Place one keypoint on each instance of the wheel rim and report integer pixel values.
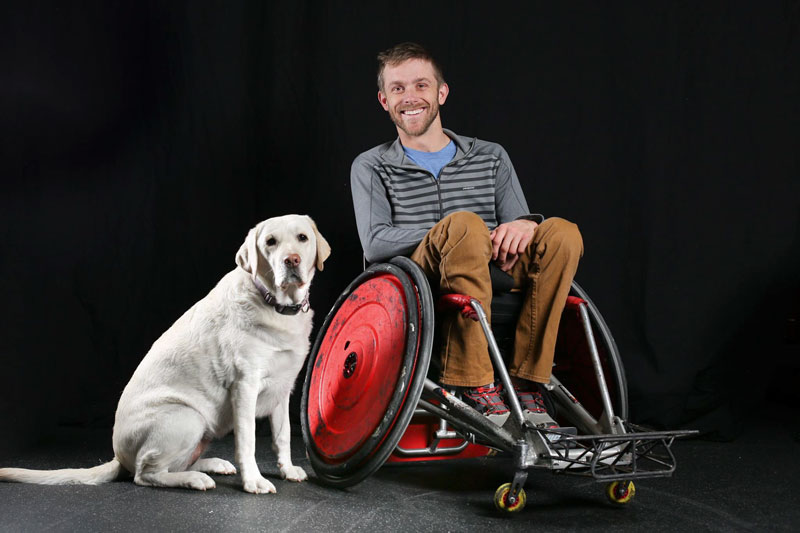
(574, 366)
(613, 360)
(502, 499)
(621, 492)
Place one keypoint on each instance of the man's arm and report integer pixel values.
(510, 201)
(509, 240)
(379, 238)
(517, 224)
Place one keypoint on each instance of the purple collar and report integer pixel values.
(282, 309)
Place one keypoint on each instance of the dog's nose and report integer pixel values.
(292, 260)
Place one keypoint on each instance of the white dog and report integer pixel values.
(230, 359)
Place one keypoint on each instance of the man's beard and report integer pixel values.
(421, 128)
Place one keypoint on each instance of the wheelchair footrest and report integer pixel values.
(639, 453)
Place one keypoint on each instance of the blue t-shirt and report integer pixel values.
(432, 161)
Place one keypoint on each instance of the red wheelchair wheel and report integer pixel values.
(363, 376)
(360, 362)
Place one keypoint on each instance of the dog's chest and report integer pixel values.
(277, 357)
(277, 378)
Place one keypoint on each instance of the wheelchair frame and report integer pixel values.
(610, 449)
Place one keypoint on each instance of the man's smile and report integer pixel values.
(414, 118)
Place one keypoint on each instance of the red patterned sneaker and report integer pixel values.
(487, 400)
(535, 411)
(533, 406)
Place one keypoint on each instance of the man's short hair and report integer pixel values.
(403, 52)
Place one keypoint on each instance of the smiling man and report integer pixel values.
(454, 205)
(412, 97)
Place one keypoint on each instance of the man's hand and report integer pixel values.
(509, 240)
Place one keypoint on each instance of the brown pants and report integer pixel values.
(457, 252)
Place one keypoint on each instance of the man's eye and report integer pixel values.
(396, 89)
(422, 85)
(302, 237)
(271, 241)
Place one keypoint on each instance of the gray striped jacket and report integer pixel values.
(396, 202)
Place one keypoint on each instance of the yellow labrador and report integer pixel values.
(230, 359)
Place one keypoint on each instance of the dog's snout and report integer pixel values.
(292, 260)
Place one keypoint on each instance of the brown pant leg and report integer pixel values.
(545, 273)
(456, 252)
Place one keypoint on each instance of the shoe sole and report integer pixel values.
(498, 420)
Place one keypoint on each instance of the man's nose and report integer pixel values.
(292, 260)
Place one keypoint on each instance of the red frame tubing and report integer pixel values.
(420, 434)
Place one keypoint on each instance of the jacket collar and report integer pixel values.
(395, 155)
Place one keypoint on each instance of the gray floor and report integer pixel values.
(750, 484)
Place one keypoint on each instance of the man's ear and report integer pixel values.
(444, 90)
(383, 101)
(323, 248)
(247, 257)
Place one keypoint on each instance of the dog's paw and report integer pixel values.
(199, 481)
(219, 466)
(258, 485)
(293, 473)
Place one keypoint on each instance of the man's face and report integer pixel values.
(412, 95)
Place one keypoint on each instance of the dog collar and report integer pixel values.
(282, 309)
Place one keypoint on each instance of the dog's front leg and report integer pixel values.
(281, 442)
(244, 397)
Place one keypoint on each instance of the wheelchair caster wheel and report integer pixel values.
(505, 502)
(620, 492)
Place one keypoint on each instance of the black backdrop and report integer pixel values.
(139, 141)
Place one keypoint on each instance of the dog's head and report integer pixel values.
(284, 252)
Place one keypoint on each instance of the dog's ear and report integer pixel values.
(323, 248)
(247, 257)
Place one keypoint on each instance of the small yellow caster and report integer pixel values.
(505, 502)
(620, 492)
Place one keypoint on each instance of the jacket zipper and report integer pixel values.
(439, 193)
(439, 190)
(437, 180)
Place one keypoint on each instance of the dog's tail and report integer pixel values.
(67, 476)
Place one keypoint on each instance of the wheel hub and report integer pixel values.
(350, 364)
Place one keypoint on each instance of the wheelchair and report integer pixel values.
(367, 399)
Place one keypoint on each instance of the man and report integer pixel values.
(454, 204)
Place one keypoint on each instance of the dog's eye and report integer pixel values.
(271, 241)
(302, 237)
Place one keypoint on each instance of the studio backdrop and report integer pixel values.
(140, 141)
